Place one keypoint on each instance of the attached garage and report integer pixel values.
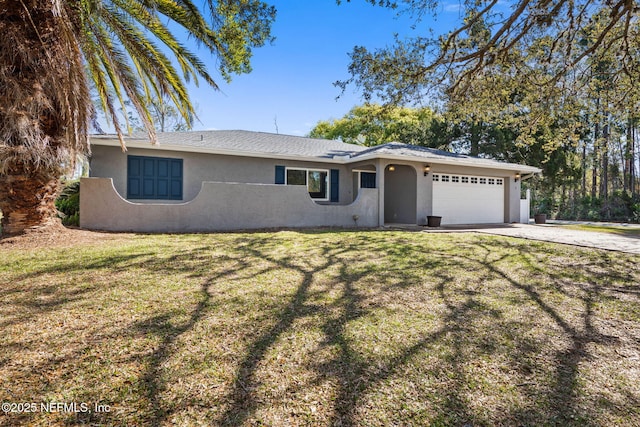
(467, 199)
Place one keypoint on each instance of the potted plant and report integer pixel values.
(540, 218)
(539, 212)
(433, 221)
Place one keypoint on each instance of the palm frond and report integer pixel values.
(126, 34)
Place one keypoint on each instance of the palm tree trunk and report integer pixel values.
(43, 114)
(27, 201)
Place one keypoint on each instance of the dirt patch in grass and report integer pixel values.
(55, 236)
(321, 328)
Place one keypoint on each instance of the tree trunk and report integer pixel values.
(594, 170)
(583, 163)
(476, 137)
(28, 201)
(44, 109)
(626, 163)
(632, 156)
(604, 179)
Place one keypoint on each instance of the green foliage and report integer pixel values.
(543, 42)
(164, 116)
(68, 203)
(619, 206)
(372, 124)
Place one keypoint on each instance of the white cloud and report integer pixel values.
(452, 7)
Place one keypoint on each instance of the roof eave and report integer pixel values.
(452, 162)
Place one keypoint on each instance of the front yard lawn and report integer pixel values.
(319, 328)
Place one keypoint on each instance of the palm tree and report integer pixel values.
(53, 51)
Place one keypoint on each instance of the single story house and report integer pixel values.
(226, 180)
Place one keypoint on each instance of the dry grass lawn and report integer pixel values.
(323, 327)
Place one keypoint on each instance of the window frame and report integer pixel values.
(374, 173)
(327, 189)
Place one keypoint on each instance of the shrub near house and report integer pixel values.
(68, 203)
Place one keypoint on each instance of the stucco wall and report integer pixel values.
(220, 206)
(111, 162)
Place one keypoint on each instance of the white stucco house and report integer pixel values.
(226, 180)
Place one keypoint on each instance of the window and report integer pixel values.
(483, 180)
(445, 178)
(317, 184)
(474, 180)
(465, 179)
(367, 180)
(455, 179)
(315, 180)
(436, 178)
(296, 177)
(499, 181)
(154, 178)
(492, 181)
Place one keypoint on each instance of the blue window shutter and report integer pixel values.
(148, 188)
(176, 180)
(335, 185)
(148, 166)
(134, 177)
(279, 175)
(162, 179)
(154, 178)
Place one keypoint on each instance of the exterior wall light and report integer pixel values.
(392, 168)
(517, 177)
(427, 169)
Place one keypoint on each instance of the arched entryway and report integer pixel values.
(400, 194)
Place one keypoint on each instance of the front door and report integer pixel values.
(400, 198)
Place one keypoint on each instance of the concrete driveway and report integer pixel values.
(551, 233)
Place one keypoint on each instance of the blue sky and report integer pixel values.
(292, 80)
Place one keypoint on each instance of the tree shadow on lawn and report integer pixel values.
(360, 375)
(508, 288)
(167, 331)
(243, 400)
(579, 333)
(69, 286)
(357, 375)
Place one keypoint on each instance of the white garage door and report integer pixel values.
(466, 199)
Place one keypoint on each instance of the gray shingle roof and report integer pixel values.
(239, 142)
(251, 142)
